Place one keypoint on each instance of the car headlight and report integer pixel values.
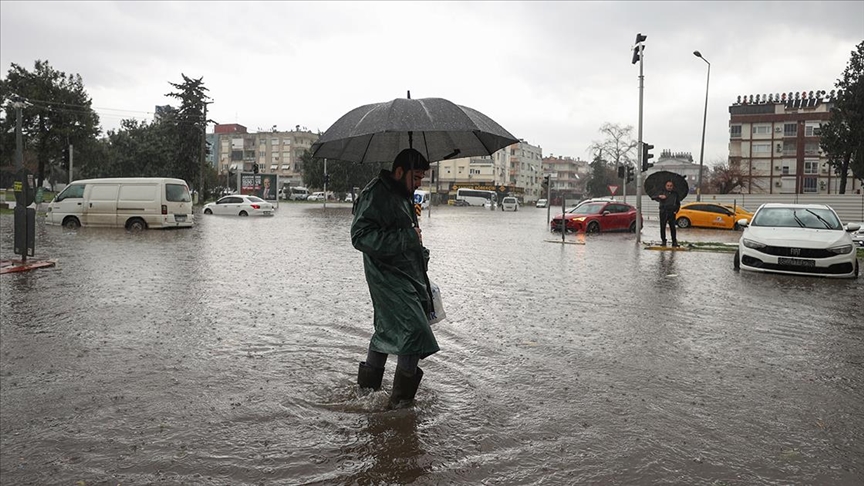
(841, 250)
(579, 219)
(753, 244)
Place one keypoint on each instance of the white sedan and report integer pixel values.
(797, 239)
(239, 205)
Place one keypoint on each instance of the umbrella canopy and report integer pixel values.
(437, 128)
(656, 182)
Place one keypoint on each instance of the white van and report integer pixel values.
(131, 203)
(422, 198)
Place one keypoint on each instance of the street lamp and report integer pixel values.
(704, 119)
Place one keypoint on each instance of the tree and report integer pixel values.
(191, 126)
(843, 136)
(724, 179)
(343, 175)
(618, 147)
(57, 113)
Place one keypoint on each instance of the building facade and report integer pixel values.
(774, 141)
(514, 170)
(680, 163)
(275, 152)
(568, 176)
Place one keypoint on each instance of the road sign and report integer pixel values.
(613, 189)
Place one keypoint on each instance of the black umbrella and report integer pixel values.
(437, 128)
(656, 182)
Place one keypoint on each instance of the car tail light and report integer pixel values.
(256, 206)
(164, 209)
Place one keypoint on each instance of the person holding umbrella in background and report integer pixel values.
(395, 263)
(670, 203)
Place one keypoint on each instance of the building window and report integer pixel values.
(790, 129)
(761, 148)
(812, 130)
(785, 170)
(789, 148)
(274, 141)
(811, 148)
(761, 129)
(811, 166)
(735, 131)
(809, 184)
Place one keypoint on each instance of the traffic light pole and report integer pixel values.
(639, 167)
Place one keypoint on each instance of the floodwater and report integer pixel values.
(226, 354)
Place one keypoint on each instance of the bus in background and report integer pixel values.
(474, 197)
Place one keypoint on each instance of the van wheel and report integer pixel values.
(736, 265)
(207, 211)
(71, 223)
(136, 224)
(244, 213)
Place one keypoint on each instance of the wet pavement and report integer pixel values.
(227, 353)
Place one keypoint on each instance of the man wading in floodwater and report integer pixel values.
(395, 262)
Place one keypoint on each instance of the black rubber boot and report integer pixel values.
(404, 388)
(369, 377)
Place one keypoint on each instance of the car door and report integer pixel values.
(227, 205)
(100, 208)
(720, 216)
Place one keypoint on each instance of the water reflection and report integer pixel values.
(229, 351)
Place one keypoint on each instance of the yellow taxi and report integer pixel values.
(711, 215)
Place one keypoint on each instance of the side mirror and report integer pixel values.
(743, 222)
(606, 213)
(852, 227)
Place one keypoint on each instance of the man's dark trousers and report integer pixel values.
(668, 217)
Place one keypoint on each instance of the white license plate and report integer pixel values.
(796, 262)
(180, 218)
(267, 213)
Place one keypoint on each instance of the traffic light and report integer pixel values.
(255, 168)
(326, 178)
(646, 155)
(637, 49)
(630, 175)
(620, 171)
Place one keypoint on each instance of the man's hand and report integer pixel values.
(419, 234)
(661, 196)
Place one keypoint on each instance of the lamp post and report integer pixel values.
(704, 119)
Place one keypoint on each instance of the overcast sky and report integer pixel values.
(549, 72)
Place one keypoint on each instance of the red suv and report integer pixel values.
(594, 217)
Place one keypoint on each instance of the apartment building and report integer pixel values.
(774, 141)
(514, 170)
(568, 176)
(275, 152)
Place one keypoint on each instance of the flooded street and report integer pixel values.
(227, 354)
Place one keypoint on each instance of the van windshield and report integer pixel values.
(74, 190)
(177, 193)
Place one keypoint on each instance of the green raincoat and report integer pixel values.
(395, 264)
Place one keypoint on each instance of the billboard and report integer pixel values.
(261, 185)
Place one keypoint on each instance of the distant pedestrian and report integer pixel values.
(670, 203)
(395, 263)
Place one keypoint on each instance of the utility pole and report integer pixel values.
(70, 163)
(203, 154)
(639, 55)
(19, 144)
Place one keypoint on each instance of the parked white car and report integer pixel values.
(240, 205)
(858, 236)
(542, 203)
(797, 239)
(316, 196)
